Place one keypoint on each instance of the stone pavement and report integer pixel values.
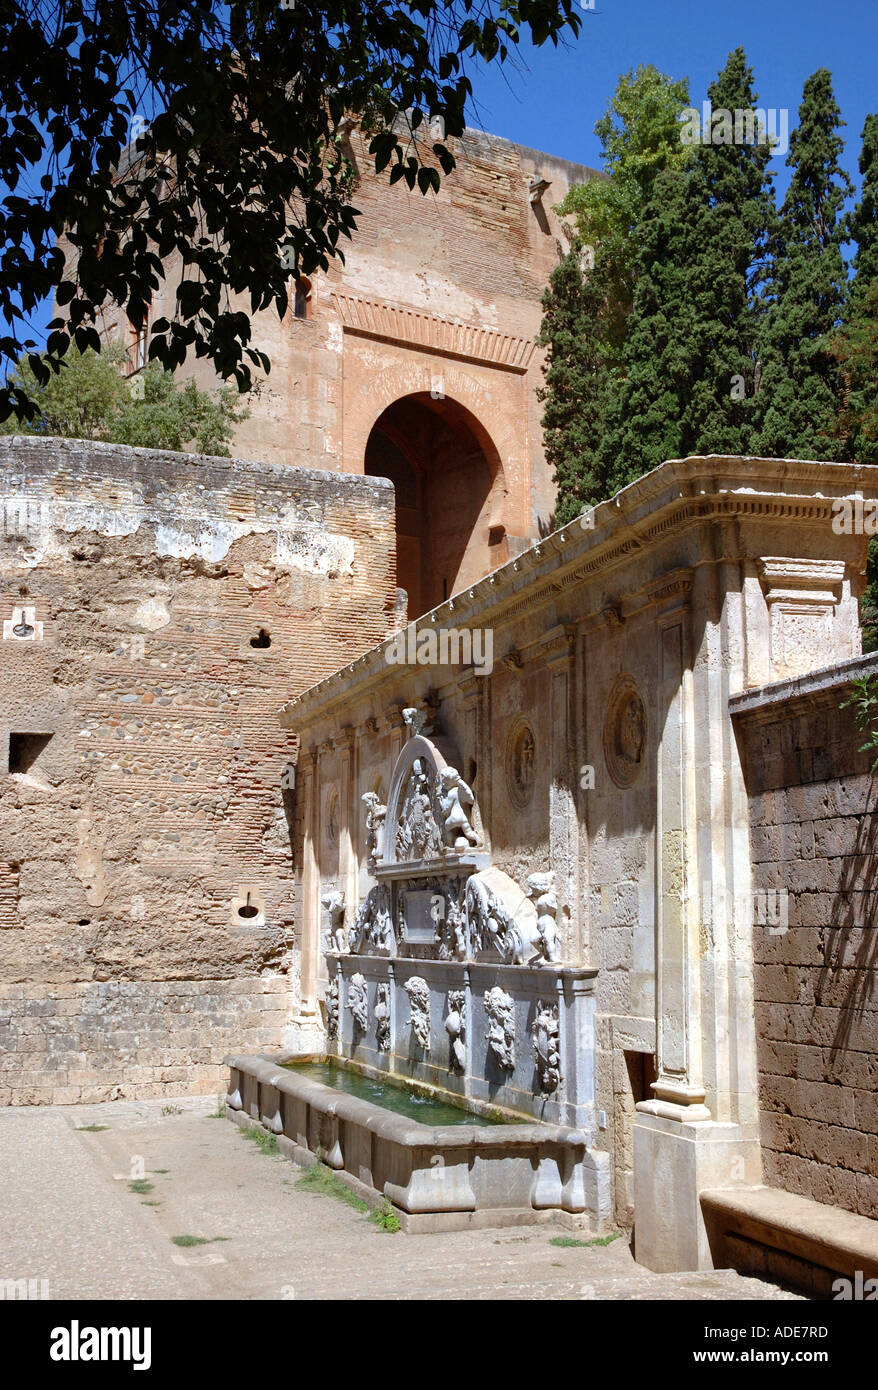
(69, 1215)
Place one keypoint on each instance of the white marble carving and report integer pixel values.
(382, 1018)
(500, 1008)
(418, 836)
(490, 924)
(358, 1003)
(546, 1038)
(332, 1005)
(375, 816)
(521, 937)
(415, 720)
(418, 992)
(456, 803)
(374, 924)
(455, 1027)
(541, 890)
(334, 903)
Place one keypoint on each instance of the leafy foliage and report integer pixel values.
(855, 344)
(588, 300)
(573, 329)
(640, 138)
(90, 399)
(240, 153)
(864, 700)
(703, 234)
(869, 601)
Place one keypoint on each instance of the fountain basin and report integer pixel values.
(437, 1177)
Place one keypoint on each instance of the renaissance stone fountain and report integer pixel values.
(449, 978)
(451, 973)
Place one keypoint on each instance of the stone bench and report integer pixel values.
(764, 1231)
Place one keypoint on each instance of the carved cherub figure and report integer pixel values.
(455, 802)
(541, 890)
(376, 813)
(333, 901)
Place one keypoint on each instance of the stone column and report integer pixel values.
(305, 1032)
(349, 807)
(563, 819)
(680, 1146)
(679, 1088)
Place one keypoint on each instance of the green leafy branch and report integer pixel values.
(864, 701)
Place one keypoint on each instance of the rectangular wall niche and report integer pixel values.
(9, 877)
(25, 750)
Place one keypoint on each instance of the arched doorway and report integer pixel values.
(449, 495)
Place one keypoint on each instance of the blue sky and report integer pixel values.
(554, 105)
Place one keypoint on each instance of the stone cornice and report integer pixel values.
(678, 495)
(374, 319)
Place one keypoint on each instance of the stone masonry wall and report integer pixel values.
(141, 759)
(813, 834)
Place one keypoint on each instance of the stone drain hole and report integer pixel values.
(248, 910)
(262, 639)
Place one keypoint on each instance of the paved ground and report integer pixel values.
(68, 1215)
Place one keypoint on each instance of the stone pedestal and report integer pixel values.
(674, 1162)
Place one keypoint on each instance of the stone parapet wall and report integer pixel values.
(813, 837)
(63, 1044)
(166, 604)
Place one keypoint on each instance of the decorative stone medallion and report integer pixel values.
(521, 762)
(625, 733)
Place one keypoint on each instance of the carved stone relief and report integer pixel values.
(541, 891)
(358, 1003)
(375, 817)
(546, 1039)
(456, 803)
(336, 936)
(419, 833)
(418, 992)
(332, 1005)
(382, 1018)
(521, 763)
(500, 1008)
(624, 733)
(374, 924)
(455, 1027)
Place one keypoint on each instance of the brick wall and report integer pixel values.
(141, 755)
(476, 255)
(813, 833)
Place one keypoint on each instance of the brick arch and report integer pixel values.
(451, 493)
(378, 374)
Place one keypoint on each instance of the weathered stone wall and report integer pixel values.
(141, 760)
(813, 837)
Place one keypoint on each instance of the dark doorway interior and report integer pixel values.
(448, 482)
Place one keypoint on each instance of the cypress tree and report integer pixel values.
(856, 345)
(856, 349)
(801, 381)
(588, 301)
(690, 353)
(573, 330)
